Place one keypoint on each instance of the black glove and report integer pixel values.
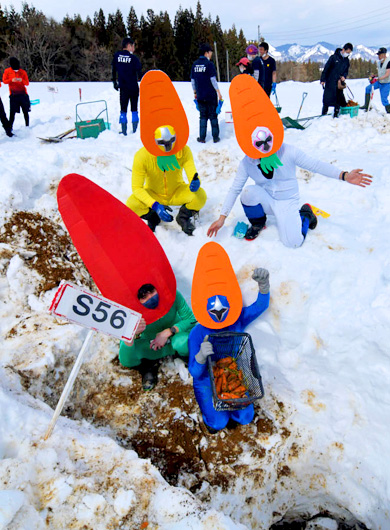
(261, 276)
(116, 85)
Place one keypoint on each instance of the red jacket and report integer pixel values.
(19, 86)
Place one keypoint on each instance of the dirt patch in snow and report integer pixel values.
(45, 247)
(163, 425)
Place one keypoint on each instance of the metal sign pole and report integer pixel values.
(69, 384)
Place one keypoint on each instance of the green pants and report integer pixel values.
(131, 356)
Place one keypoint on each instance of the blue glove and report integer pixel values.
(196, 104)
(116, 85)
(273, 88)
(195, 183)
(163, 212)
(219, 106)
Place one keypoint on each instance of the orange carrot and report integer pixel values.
(218, 385)
(160, 105)
(252, 108)
(228, 395)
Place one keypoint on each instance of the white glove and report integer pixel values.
(206, 349)
(261, 276)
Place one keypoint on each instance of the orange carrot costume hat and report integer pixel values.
(216, 296)
(257, 125)
(163, 122)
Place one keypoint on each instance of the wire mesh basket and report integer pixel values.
(239, 347)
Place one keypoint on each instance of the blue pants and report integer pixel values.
(384, 89)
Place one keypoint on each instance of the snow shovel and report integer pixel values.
(290, 123)
(59, 138)
(277, 106)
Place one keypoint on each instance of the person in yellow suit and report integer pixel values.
(155, 189)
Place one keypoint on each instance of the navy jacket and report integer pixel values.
(336, 66)
(201, 72)
(128, 68)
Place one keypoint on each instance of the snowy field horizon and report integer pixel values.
(319, 446)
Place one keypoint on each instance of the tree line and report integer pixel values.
(82, 50)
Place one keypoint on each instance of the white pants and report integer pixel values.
(288, 220)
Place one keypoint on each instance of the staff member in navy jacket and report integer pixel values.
(208, 98)
(127, 67)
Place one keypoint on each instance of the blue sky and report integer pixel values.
(302, 21)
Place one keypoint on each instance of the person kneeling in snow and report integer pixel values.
(271, 164)
(165, 336)
(155, 189)
(219, 313)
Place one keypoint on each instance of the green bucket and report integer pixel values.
(90, 128)
(352, 111)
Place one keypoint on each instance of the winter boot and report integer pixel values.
(257, 219)
(152, 218)
(257, 225)
(206, 429)
(183, 219)
(134, 120)
(123, 122)
(307, 213)
(387, 107)
(366, 102)
(149, 371)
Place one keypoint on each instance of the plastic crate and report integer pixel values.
(240, 347)
(352, 111)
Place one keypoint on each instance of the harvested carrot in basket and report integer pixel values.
(228, 379)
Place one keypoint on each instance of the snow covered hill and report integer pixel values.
(319, 52)
(120, 458)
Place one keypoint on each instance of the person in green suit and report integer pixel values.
(152, 342)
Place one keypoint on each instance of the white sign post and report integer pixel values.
(93, 311)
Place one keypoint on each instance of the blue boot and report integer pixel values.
(123, 122)
(257, 218)
(135, 120)
(309, 219)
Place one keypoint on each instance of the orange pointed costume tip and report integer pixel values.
(257, 124)
(214, 276)
(160, 106)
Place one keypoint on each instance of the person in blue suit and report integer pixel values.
(200, 348)
(126, 71)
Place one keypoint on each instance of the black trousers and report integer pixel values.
(126, 95)
(17, 102)
(207, 111)
(3, 118)
(340, 102)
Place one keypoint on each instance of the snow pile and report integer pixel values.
(321, 444)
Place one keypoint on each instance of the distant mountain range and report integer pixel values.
(319, 53)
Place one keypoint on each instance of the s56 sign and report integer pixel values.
(93, 311)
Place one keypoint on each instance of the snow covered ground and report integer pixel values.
(322, 346)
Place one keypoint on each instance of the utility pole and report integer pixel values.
(216, 58)
(227, 65)
(258, 35)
